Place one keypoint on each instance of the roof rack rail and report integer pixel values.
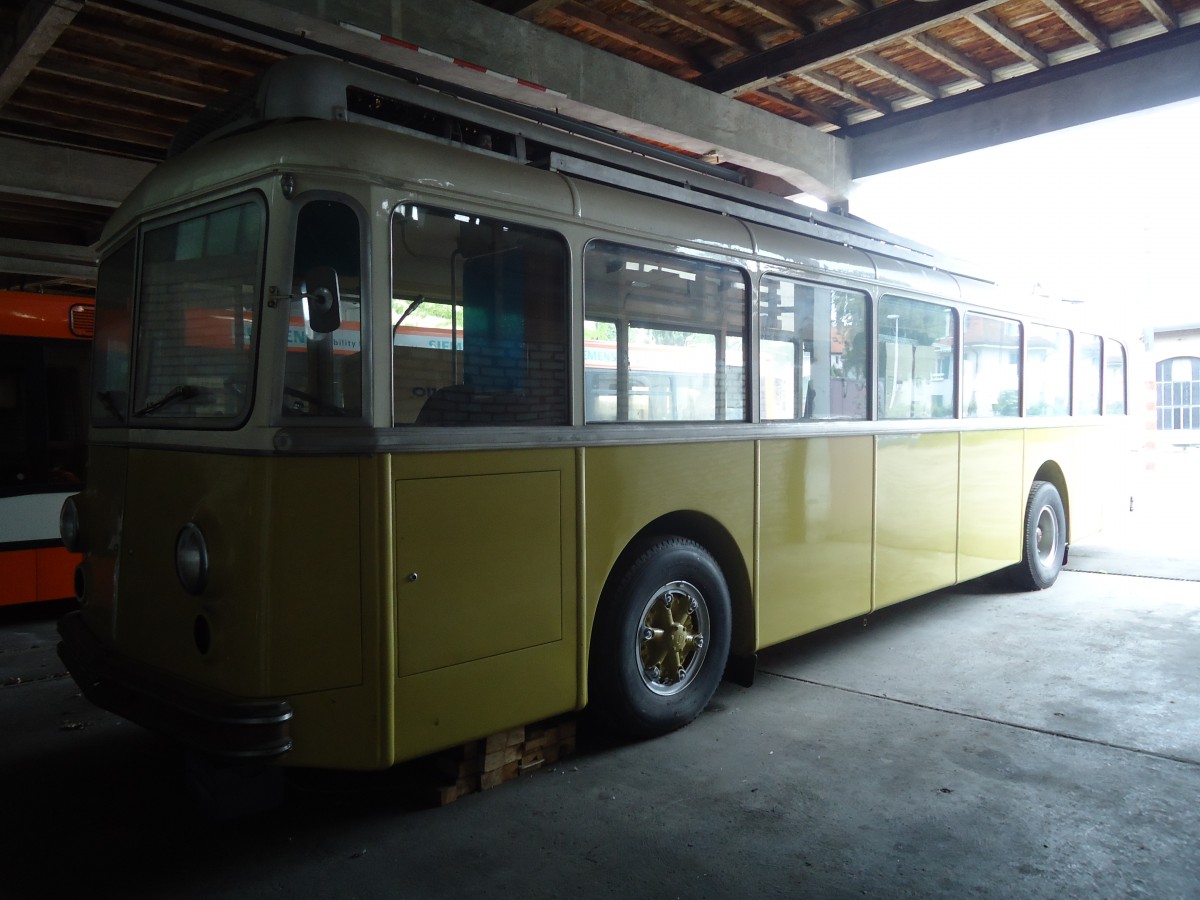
(318, 87)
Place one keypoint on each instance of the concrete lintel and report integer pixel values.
(624, 96)
(46, 259)
(1160, 71)
(61, 173)
(580, 81)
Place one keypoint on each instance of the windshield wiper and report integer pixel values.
(179, 392)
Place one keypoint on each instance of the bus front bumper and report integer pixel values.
(217, 726)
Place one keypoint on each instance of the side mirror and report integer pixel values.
(324, 300)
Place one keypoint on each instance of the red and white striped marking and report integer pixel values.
(461, 63)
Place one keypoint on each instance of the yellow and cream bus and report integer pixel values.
(412, 425)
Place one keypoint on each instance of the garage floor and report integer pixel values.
(970, 742)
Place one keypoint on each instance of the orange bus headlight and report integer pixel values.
(191, 558)
(68, 525)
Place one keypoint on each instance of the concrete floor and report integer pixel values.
(973, 742)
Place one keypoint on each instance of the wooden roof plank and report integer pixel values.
(899, 75)
(36, 32)
(88, 77)
(953, 58)
(780, 14)
(1163, 12)
(989, 23)
(844, 88)
(627, 34)
(703, 24)
(866, 32)
(523, 9)
(825, 113)
(1087, 27)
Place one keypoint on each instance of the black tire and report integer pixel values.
(661, 640)
(1045, 540)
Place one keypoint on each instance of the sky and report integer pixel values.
(1105, 216)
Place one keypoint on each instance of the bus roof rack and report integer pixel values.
(318, 87)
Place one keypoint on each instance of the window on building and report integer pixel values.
(1179, 393)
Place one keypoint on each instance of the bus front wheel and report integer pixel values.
(661, 640)
(1045, 541)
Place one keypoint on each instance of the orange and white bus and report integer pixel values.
(44, 344)
(397, 441)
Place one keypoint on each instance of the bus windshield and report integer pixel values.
(193, 351)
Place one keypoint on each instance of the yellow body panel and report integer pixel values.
(1094, 460)
(814, 534)
(916, 514)
(479, 567)
(408, 602)
(283, 602)
(486, 611)
(991, 501)
(626, 488)
(283, 612)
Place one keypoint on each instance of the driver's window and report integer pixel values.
(323, 371)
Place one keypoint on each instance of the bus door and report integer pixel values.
(485, 545)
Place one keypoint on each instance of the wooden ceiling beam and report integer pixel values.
(850, 91)
(858, 34)
(133, 42)
(1163, 12)
(859, 6)
(38, 27)
(889, 70)
(1083, 23)
(825, 113)
(776, 12)
(989, 23)
(626, 34)
(707, 26)
(168, 85)
(951, 57)
(525, 9)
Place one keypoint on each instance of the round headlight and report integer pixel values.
(68, 524)
(191, 558)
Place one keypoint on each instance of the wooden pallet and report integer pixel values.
(484, 764)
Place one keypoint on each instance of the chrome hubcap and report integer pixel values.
(1047, 535)
(672, 639)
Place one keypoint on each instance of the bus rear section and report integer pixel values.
(44, 350)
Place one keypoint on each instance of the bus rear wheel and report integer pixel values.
(661, 640)
(1045, 541)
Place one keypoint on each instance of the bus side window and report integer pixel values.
(13, 430)
(915, 367)
(1047, 371)
(479, 321)
(664, 337)
(991, 366)
(812, 351)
